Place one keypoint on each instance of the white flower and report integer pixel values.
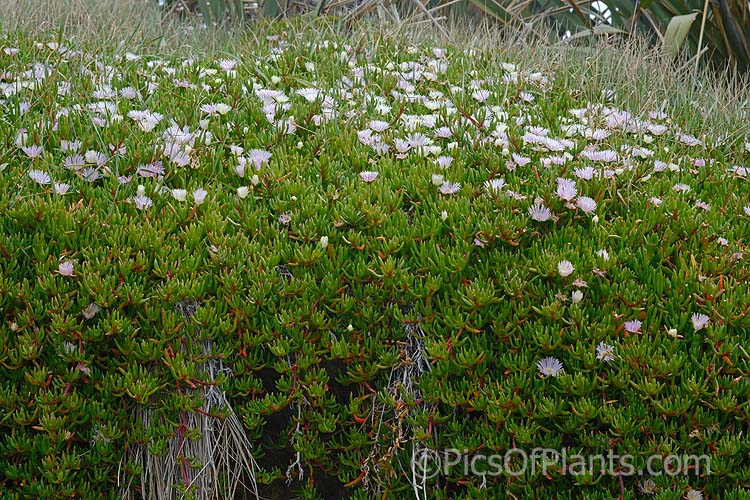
(444, 161)
(747, 210)
(539, 212)
(40, 177)
(565, 268)
(324, 241)
(605, 352)
(481, 95)
(586, 204)
(90, 311)
(699, 321)
(549, 367)
(693, 495)
(368, 176)
(243, 191)
(255, 180)
(603, 254)
(672, 332)
(199, 195)
(91, 156)
(681, 188)
(61, 188)
(576, 296)
(496, 185)
(437, 179)
(656, 201)
(378, 125)
(648, 487)
(223, 109)
(444, 215)
(310, 94)
(179, 194)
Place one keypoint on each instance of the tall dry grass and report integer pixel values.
(639, 74)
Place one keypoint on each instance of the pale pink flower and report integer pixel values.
(633, 326)
(689, 140)
(693, 495)
(586, 173)
(90, 311)
(539, 212)
(259, 157)
(450, 187)
(378, 125)
(605, 352)
(519, 160)
(199, 196)
(703, 205)
(549, 367)
(310, 94)
(65, 268)
(40, 177)
(699, 321)
(142, 202)
(566, 189)
(444, 161)
(588, 205)
(33, 151)
(495, 185)
(481, 95)
(368, 176)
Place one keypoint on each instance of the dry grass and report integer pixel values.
(109, 25)
(636, 71)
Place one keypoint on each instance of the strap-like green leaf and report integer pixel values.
(677, 31)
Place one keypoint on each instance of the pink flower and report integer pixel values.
(65, 268)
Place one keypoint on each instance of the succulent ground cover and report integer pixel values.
(320, 259)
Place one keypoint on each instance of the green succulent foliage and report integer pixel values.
(361, 320)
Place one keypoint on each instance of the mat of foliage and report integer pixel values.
(368, 252)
